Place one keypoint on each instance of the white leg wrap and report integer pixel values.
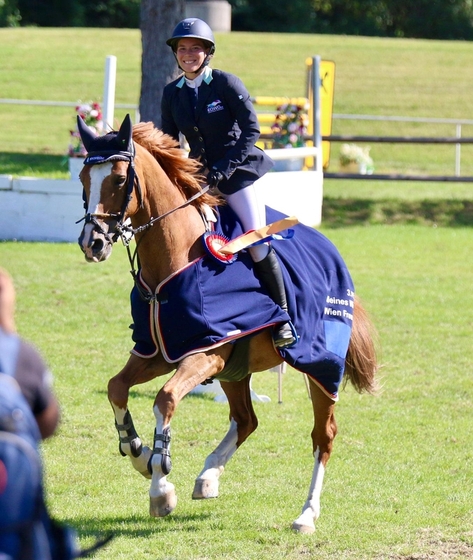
(311, 510)
(206, 484)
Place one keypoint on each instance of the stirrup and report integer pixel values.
(285, 335)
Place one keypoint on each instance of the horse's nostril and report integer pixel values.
(97, 246)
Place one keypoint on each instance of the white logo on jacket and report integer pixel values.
(215, 106)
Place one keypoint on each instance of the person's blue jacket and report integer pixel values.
(222, 129)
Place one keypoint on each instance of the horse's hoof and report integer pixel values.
(303, 528)
(205, 488)
(162, 505)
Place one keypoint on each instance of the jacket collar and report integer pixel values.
(206, 77)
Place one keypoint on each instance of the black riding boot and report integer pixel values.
(270, 275)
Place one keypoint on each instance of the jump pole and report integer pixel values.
(110, 79)
(317, 110)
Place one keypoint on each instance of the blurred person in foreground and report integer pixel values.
(22, 361)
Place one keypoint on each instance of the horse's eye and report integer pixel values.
(120, 180)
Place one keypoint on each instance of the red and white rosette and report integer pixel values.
(213, 242)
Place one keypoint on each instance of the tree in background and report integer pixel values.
(277, 17)
(431, 19)
(361, 17)
(428, 19)
(112, 13)
(158, 66)
(77, 13)
(9, 13)
(51, 13)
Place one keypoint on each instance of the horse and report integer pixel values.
(137, 182)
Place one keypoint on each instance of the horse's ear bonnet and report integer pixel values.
(110, 147)
(114, 146)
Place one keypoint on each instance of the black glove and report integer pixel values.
(214, 178)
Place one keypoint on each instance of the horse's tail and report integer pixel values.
(361, 363)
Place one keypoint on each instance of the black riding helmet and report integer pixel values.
(193, 28)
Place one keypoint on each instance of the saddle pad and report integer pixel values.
(207, 304)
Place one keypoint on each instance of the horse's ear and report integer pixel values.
(87, 135)
(124, 137)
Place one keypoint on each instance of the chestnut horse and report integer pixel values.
(138, 182)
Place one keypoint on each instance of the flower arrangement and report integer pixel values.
(353, 154)
(290, 126)
(91, 114)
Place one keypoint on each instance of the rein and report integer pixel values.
(124, 228)
(127, 232)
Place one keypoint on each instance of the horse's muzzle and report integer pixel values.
(96, 246)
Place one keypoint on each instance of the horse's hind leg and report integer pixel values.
(243, 422)
(136, 371)
(323, 434)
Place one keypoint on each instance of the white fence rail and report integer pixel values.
(457, 123)
(33, 102)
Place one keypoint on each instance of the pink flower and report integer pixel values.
(91, 114)
(290, 126)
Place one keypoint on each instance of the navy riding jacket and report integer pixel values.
(221, 130)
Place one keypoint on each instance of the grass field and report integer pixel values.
(399, 482)
(373, 76)
(398, 486)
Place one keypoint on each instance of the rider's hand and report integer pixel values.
(214, 178)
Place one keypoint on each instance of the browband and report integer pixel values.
(102, 156)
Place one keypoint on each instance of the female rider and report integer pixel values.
(213, 110)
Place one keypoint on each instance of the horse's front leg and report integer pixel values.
(136, 371)
(192, 371)
(323, 434)
(243, 423)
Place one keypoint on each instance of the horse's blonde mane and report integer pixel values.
(184, 172)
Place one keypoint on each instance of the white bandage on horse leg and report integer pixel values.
(311, 510)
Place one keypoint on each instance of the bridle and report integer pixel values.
(123, 228)
(104, 156)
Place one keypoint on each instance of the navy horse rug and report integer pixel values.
(208, 303)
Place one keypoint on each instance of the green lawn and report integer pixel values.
(398, 486)
(399, 482)
(374, 76)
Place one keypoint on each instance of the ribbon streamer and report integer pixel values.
(257, 236)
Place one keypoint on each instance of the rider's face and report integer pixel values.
(190, 54)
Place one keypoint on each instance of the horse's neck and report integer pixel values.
(170, 244)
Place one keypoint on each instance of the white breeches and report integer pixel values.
(252, 214)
